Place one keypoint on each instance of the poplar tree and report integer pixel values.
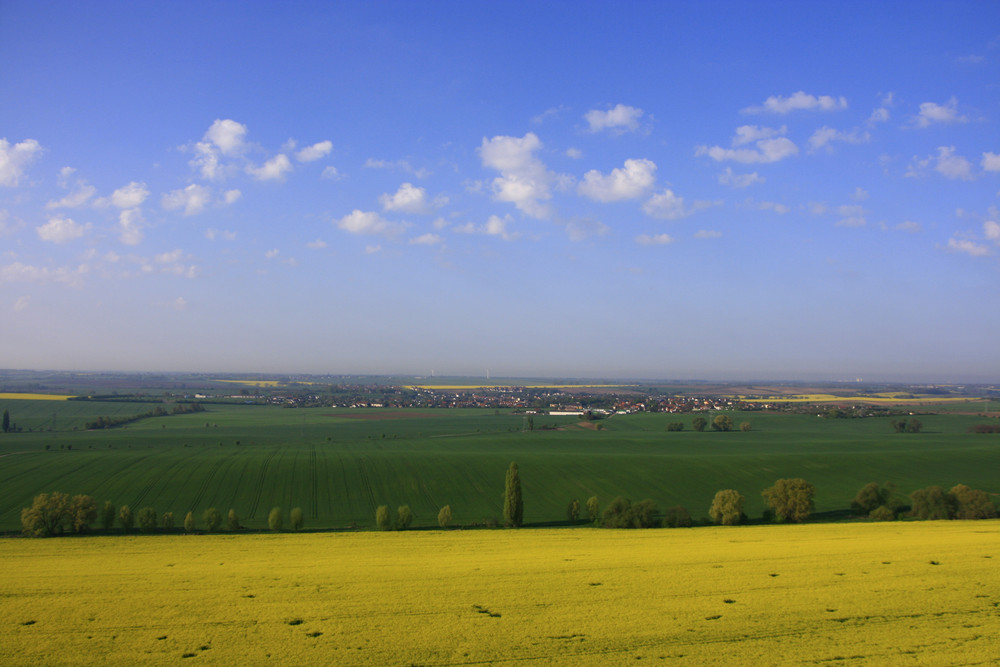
(513, 504)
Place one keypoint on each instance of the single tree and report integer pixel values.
(914, 426)
(47, 515)
(275, 519)
(573, 511)
(675, 426)
(699, 424)
(296, 518)
(791, 499)
(108, 514)
(593, 509)
(722, 423)
(444, 516)
(382, 518)
(744, 426)
(82, 513)
(212, 519)
(727, 507)
(972, 503)
(404, 517)
(932, 503)
(871, 496)
(167, 521)
(125, 518)
(147, 519)
(882, 513)
(189, 522)
(899, 426)
(233, 520)
(513, 505)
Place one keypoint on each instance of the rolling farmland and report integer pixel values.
(338, 464)
(916, 593)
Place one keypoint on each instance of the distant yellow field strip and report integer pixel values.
(35, 397)
(830, 398)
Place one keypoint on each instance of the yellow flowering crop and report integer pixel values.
(35, 397)
(849, 594)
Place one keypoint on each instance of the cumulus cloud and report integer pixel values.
(728, 177)
(61, 230)
(991, 229)
(931, 113)
(426, 239)
(127, 196)
(410, 199)
(369, 223)
(130, 226)
(946, 163)
(666, 205)
(581, 229)
(524, 180)
(192, 199)
(19, 272)
(824, 136)
(622, 118)
(769, 146)
(223, 138)
(778, 208)
(231, 197)
(800, 101)
(628, 183)
(314, 152)
(990, 162)
(330, 173)
(77, 197)
(707, 234)
(852, 216)
(14, 159)
(909, 226)
(494, 226)
(655, 239)
(968, 247)
(224, 234)
(403, 165)
(274, 169)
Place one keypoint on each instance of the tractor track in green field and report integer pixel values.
(205, 485)
(313, 483)
(366, 485)
(259, 484)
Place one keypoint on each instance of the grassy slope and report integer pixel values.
(339, 469)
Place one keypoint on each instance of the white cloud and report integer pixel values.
(622, 118)
(231, 197)
(909, 226)
(330, 173)
(931, 113)
(14, 159)
(314, 152)
(272, 253)
(574, 153)
(666, 206)
(968, 247)
(227, 135)
(61, 230)
(410, 199)
(991, 229)
(494, 226)
(372, 249)
(778, 208)
(27, 273)
(728, 177)
(799, 101)
(192, 199)
(524, 181)
(426, 239)
(128, 196)
(318, 244)
(180, 303)
(76, 198)
(859, 194)
(224, 234)
(579, 230)
(990, 162)
(22, 303)
(360, 222)
(171, 257)
(130, 226)
(628, 183)
(824, 136)
(707, 234)
(952, 166)
(770, 147)
(372, 163)
(272, 170)
(656, 239)
(852, 216)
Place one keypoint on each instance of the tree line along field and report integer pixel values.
(339, 465)
(908, 593)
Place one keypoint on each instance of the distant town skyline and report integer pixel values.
(717, 191)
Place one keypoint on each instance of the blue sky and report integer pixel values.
(718, 190)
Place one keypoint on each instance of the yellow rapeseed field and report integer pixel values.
(875, 398)
(913, 593)
(35, 397)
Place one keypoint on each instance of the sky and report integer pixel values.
(653, 190)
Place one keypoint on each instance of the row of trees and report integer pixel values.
(882, 502)
(719, 423)
(158, 411)
(56, 513)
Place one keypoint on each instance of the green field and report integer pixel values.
(339, 465)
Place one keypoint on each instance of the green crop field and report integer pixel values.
(338, 465)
